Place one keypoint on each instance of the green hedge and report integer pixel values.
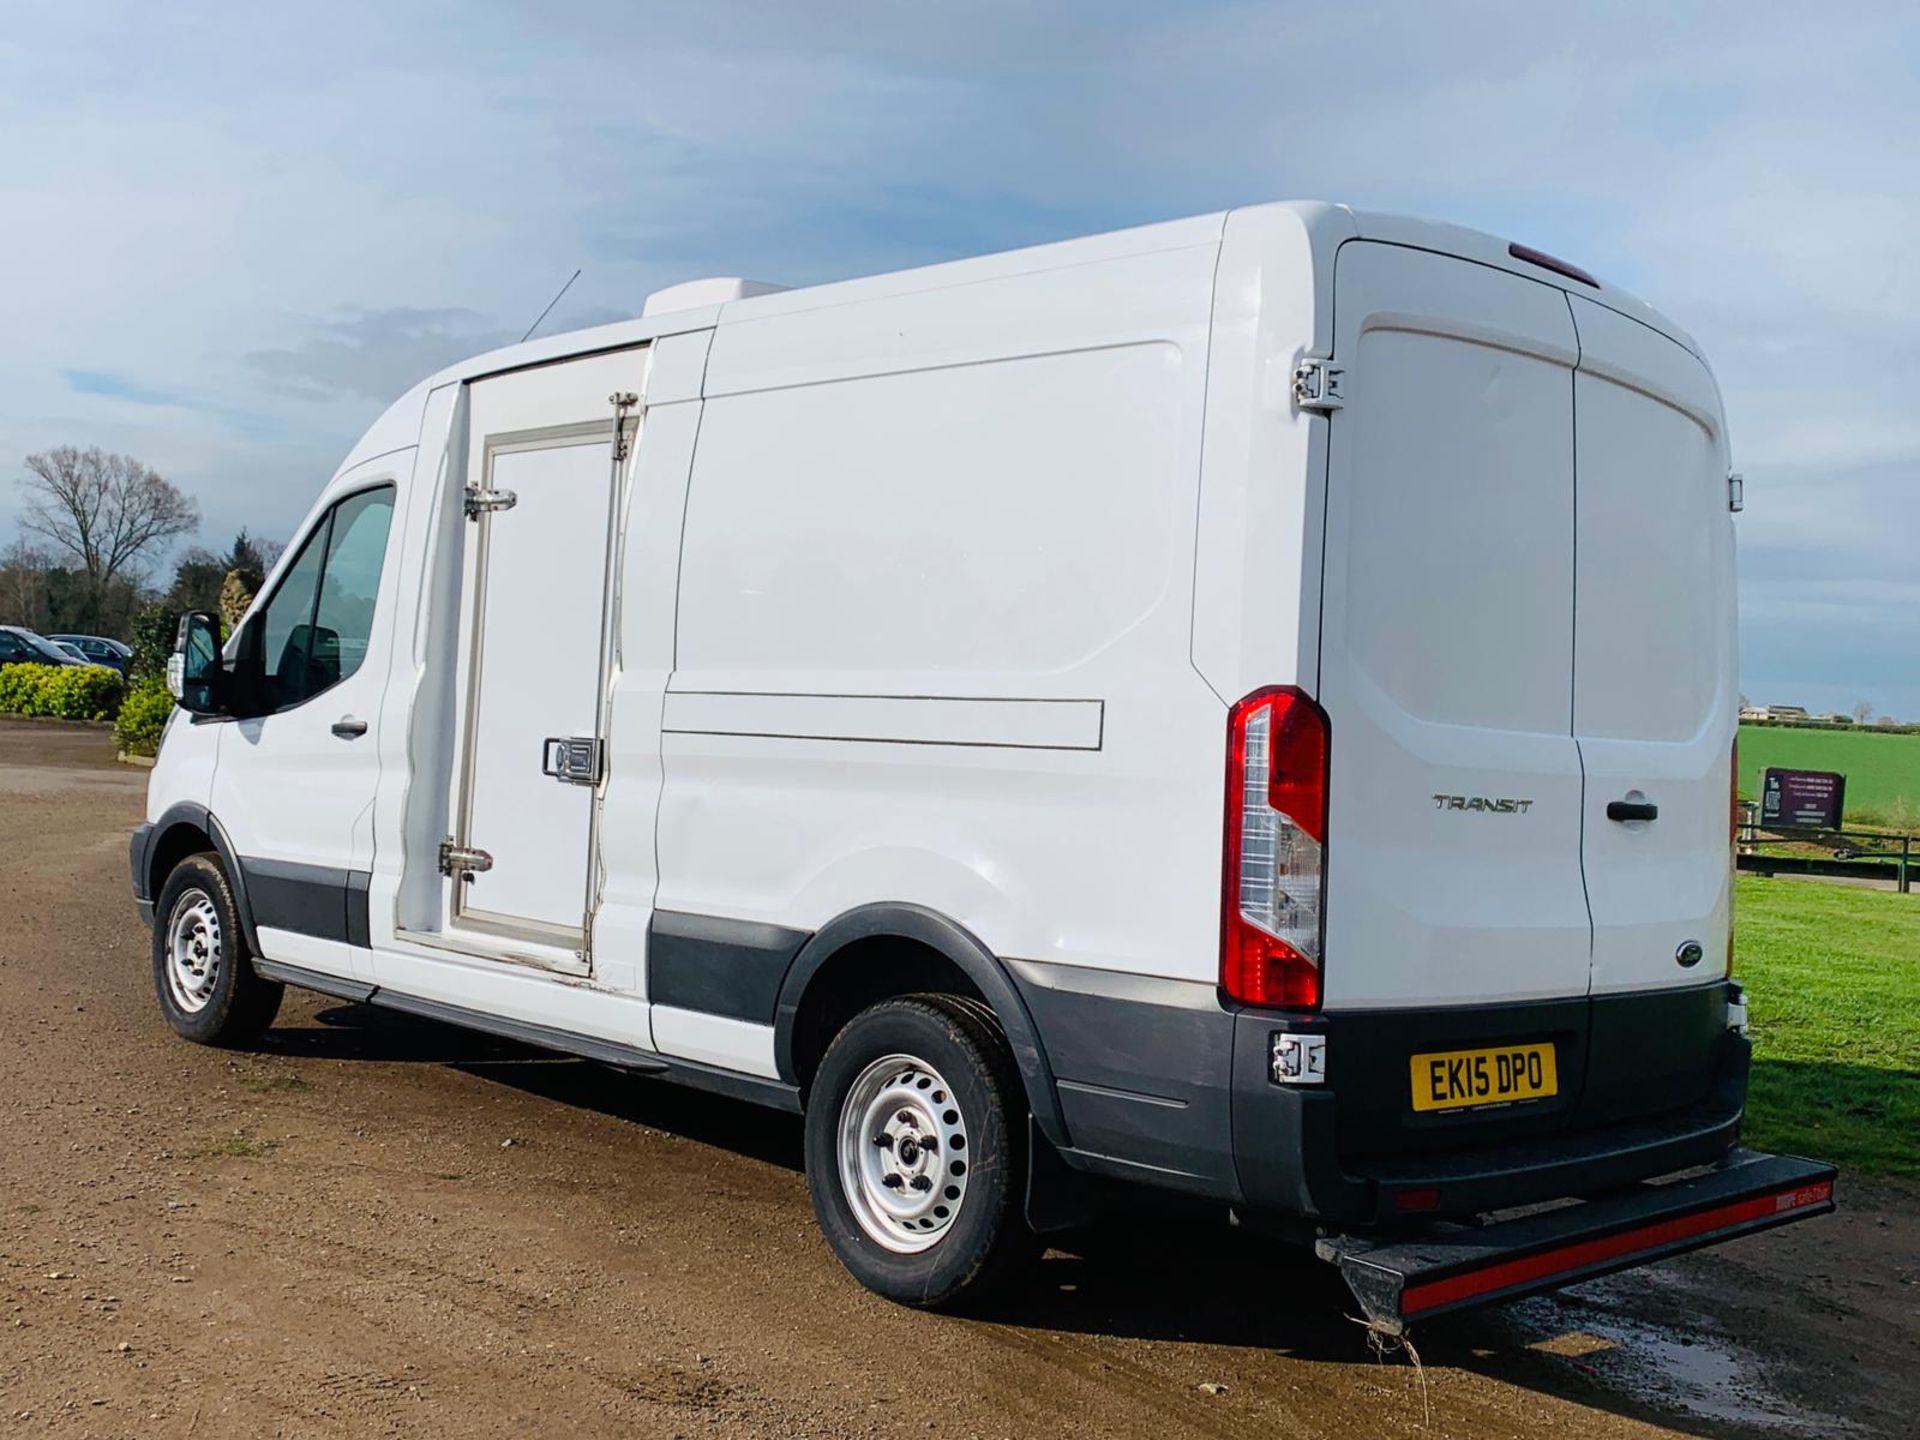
(67, 692)
(143, 716)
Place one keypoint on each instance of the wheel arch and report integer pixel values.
(844, 951)
(187, 829)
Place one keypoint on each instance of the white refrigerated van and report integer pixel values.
(1241, 706)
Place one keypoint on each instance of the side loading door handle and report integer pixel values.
(348, 728)
(1632, 810)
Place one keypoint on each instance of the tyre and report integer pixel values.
(915, 1151)
(202, 971)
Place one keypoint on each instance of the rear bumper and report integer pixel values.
(1293, 1156)
(1398, 1281)
(1177, 1094)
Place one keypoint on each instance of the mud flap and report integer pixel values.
(1056, 1196)
(1405, 1278)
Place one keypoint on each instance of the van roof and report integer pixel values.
(398, 427)
(1485, 249)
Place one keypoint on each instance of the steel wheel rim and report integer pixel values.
(904, 1162)
(194, 951)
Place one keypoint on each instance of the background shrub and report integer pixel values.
(19, 685)
(153, 633)
(66, 692)
(143, 716)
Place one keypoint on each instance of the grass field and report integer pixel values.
(1833, 991)
(1883, 771)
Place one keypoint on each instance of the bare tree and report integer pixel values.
(23, 585)
(1862, 712)
(110, 512)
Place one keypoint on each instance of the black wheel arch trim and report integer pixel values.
(318, 900)
(958, 944)
(186, 812)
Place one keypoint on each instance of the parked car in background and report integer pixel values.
(99, 650)
(20, 646)
(72, 652)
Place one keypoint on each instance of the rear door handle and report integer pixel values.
(348, 728)
(1632, 810)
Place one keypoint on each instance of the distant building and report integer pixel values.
(1789, 715)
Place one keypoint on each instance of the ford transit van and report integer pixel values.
(1242, 707)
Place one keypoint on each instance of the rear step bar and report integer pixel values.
(1403, 1279)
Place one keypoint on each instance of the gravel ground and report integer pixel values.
(376, 1226)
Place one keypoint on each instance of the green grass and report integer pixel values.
(1883, 771)
(1833, 993)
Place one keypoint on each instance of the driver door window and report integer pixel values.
(314, 629)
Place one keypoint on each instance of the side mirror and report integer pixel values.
(194, 670)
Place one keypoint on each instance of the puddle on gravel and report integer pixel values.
(1703, 1374)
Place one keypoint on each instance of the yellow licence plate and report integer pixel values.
(1457, 1079)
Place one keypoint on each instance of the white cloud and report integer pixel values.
(284, 216)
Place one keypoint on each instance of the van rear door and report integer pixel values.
(1654, 697)
(1453, 840)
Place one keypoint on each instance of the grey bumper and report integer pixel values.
(1165, 1085)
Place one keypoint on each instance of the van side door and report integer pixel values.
(549, 454)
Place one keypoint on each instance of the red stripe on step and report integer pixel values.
(1593, 1252)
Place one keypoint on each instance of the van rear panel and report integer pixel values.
(1655, 703)
(1527, 614)
(1446, 658)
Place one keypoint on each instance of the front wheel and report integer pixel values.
(913, 1151)
(202, 973)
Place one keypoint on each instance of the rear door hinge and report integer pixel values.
(1736, 491)
(1318, 384)
(485, 502)
(623, 402)
(462, 860)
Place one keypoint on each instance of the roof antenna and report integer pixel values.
(549, 310)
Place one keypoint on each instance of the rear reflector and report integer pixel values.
(1549, 262)
(1419, 1268)
(1569, 1260)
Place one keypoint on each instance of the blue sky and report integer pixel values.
(233, 232)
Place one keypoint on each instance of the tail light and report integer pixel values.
(1272, 914)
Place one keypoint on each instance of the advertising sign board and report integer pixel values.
(1803, 797)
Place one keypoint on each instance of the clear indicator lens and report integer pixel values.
(1279, 861)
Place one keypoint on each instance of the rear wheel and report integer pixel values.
(203, 974)
(913, 1147)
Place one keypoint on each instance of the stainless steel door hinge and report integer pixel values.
(1736, 491)
(622, 401)
(485, 502)
(462, 860)
(1318, 384)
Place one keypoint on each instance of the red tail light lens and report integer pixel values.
(1276, 828)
